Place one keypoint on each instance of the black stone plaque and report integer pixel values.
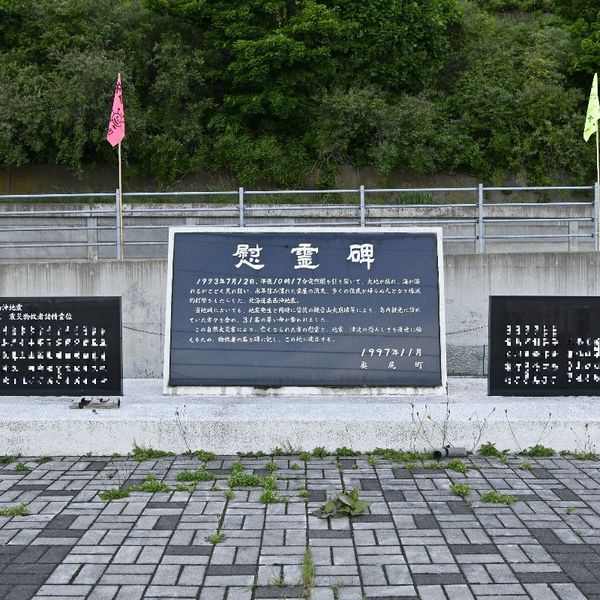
(287, 308)
(60, 346)
(544, 346)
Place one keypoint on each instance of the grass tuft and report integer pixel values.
(457, 465)
(114, 494)
(141, 454)
(204, 456)
(488, 449)
(150, 486)
(460, 489)
(199, 475)
(539, 451)
(216, 538)
(498, 498)
(20, 510)
(579, 455)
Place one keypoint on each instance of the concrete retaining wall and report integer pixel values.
(469, 279)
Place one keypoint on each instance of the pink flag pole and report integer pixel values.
(114, 136)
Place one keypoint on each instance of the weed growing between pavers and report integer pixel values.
(196, 476)
(21, 510)
(539, 451)
(271, 467)
(488, 449)
(305, 456)
(277, 581)
(258, 454)
(457, 465)
(43, 459)
(308, 572)
(526, 466)
(408, 456)
(497, 498)
(150, 486)
(22, 467)
(344, 504)
(343, 451)
(141, 454)
(579, 455)
(7, 459)
(229, 495)
(204, 456)
(180, 487)
(216, 538)
(114, 494)
(460, 489)
(320, 452)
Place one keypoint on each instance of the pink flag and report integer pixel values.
(116, 125)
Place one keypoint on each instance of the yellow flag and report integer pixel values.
(593, 111)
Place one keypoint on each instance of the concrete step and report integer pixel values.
(466, 417)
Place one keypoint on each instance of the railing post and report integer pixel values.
(480, 230)
(119, 224)
(596, 215)
(241, 198)
(362, 205)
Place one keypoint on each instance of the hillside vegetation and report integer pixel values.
(273, 90)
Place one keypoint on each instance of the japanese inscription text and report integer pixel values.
(287, 308)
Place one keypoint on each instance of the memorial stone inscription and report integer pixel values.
(312, 308)
(60, 346)
(544, 345)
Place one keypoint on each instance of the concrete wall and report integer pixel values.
(141, 284)
(470, 280)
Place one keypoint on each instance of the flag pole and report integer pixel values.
(121, 206)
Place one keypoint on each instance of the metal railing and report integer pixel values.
(475, 222)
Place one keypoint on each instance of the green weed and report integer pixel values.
(204, 456)
(488, 449)
(457, 465)
(199, 475)
(150, 486)
(22, 467)
(180, 487)
(43, 459)
(347, 503)
(308, 571)
(460, 489)
(114, 494)
(216, 538)
(21, 510)
(320, 452)
(498, 498)
(140, 454)
(526, 466)
(344, 451)
(539, 451)
(257, 454)
(579, 455)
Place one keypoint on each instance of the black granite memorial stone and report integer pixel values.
(273, 308)
(544, 346)
(60, 346)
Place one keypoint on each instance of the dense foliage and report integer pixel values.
(272, 90)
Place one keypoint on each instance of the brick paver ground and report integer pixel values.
(417, 540)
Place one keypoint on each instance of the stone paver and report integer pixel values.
(416, 541)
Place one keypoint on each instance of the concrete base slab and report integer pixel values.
(466, 417)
